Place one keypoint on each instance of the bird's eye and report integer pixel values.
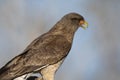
(75, 20)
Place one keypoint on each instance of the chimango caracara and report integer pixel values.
(47, 52)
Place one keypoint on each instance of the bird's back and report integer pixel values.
(45, 50)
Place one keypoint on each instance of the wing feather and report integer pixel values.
(47, 49)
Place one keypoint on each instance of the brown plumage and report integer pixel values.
(46, 53)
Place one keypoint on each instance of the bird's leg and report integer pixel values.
(48, 73)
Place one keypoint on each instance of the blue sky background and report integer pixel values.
(95, 54)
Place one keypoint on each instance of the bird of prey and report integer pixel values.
(47, 52)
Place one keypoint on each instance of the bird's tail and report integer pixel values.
(4, 74)
(5, 71)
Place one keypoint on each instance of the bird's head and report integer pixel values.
(76, 19)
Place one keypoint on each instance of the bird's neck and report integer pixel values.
(66, 30)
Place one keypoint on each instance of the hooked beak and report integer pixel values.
(83, 24)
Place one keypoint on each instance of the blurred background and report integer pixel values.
(95, 54)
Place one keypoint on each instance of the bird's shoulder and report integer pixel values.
(47, 39)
